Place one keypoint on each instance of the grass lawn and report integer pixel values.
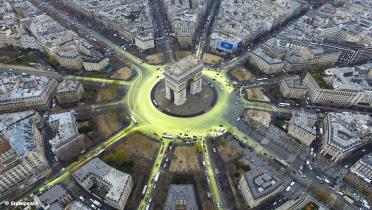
(24, 60)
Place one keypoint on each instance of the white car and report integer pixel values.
(292, 183)
(288, 188)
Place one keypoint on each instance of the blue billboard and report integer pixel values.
(228, 46)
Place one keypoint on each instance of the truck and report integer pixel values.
(95, 202)
(326, 180)
(157, 176)
(99, 152)
(348, 199)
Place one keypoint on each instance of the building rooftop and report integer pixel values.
(267, 58)
(130, 15)
(350, 78)
(261, 183)
(367, 159)
(66, 129)
(17, 87)
(19, 131)
(305, 121)
(348, 130)
(77, 205)
(238, 19)
(117, 180)
(181, 195)
(67, 86)
(51, 197)
(295, 82)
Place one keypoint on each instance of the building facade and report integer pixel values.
(69, 91)
(293, 88)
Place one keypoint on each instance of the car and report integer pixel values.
(292, 183)
(81, 198)
(93, 206)
(288, 188)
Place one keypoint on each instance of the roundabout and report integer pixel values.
(152, 120)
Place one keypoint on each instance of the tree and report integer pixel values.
(324, 196)
(198, 147)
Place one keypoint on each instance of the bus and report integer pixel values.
(155, 103)
(284, 104)
(144, 189)
(133, 119)
(259, 79)
(157, 176)
(167, 136)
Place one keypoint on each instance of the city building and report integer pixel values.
(185, 17)
(257, 186)
(69, 91)
(97, 63)
(265, 62)
(238, 24)
(64, 125)
(363, 168)
(126, 18)
(344, 133)
(46, 34)
(68, 56)
(182, 76)
(301, 201)
(22, 159)
(181, 196)
(105, 182)
(302, 127)
(145, 42)
(340, 86)
(21, 92)
(13, 34)
(293, 88)
(77, 205)
(55, 198)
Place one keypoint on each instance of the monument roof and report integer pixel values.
(183, 65)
